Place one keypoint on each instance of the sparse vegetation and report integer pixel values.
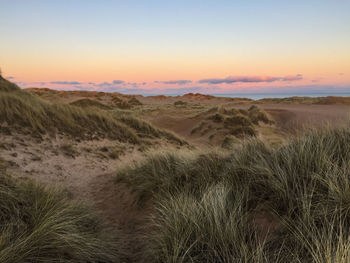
(229, 141)
(256, 114)
(145, 129)
(199, 127)
(237, 122)
(115, 153)
(239, 125)
(123, 104)
(69, 150)
(84, 103)
(217, 117)
(134, 102)
(180, 103)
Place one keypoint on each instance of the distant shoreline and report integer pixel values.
(258, 96)
(252, 96)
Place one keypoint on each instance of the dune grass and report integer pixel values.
(256, 115)
(237, 122)
(166, 172)
(212, 207)
(27, 112)
(146, 129)
(39, 224)
(84, 103)
(202, 229)
(85, 118)
(7, 86)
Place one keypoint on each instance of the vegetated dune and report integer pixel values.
(26, 113)
(75, 147)
(258, 194)
(85, 103)
(85, 119)
(203, 124)
(222, 124)
(257, 204)
(193, 98)
(88, 98)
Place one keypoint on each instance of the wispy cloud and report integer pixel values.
(65, 82)
(244, 79)
(174, 82)
(118, 82)
(162, 91)
(10, 77)
(104, 84)
(85, 88)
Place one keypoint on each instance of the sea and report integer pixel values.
(258, 96)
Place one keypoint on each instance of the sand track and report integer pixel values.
(88, 176)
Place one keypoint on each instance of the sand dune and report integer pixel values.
(86, 166)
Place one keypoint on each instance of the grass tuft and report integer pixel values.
(39, 224)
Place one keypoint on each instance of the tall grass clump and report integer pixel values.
(169, 172)
(38, 224)
(299, 192)
(213, 228)
(256, 114)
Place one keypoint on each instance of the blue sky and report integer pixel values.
(165, 41)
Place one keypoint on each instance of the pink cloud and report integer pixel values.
(247, 79)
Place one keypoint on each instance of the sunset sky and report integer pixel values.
(175, 47)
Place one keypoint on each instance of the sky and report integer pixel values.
(175, 47)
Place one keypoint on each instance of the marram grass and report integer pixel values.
(252, 204)
(39, 224)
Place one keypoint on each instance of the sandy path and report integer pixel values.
(88, 176)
